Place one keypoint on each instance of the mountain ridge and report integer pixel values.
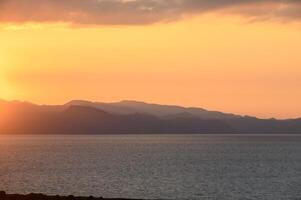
(84, 117)
(118, 104)
(132, 106)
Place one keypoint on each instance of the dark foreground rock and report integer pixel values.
(4, 196)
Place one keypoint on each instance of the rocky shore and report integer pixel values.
(4, 196)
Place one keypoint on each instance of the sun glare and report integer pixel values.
(5, 90)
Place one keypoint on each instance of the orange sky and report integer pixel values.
(218, 62)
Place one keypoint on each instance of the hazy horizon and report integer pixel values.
(144, 102)
(233, 56)
(150, 99)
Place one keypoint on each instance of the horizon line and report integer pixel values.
(144, 102)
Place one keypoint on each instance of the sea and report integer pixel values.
(153, 166)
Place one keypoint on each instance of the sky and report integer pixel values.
(237, 56)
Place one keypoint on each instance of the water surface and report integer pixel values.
(153, 166)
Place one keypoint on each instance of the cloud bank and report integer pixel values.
(136, 12)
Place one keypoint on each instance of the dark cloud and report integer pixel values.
(140, 11)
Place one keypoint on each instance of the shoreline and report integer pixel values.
(39, 196)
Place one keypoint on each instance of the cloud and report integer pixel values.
(135, 12)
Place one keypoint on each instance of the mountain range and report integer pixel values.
(131, 117)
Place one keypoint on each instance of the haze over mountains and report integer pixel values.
(85, 117)
(161, 111)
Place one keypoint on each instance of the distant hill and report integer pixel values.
(162, 111)
(83, 117)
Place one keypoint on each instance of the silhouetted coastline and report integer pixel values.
(32, 196)
(80, 117)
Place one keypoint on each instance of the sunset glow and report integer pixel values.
(217, 61)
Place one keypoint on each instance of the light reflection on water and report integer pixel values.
(153, 166)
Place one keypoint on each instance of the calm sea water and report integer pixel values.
(153, 166)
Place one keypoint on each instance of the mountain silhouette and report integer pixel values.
(162, 111)
(131, 117)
